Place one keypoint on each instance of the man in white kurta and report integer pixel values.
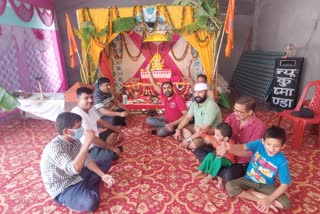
(104, 147)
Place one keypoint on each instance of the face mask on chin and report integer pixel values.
(77, 133)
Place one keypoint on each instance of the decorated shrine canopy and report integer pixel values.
(175, 16)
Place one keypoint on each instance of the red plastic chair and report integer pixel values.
(300, 123)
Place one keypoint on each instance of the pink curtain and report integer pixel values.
(27, 53)
(24, 9)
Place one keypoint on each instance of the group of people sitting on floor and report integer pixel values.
(240, 150)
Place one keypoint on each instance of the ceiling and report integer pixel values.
(243, 7)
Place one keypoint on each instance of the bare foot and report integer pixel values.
(206, 179)
(271, 207)
(196, 174)
(274, 208)
(118, 143)
(183, 145)
(262, 196)
(220, 183)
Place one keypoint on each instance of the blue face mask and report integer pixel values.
(77, 133)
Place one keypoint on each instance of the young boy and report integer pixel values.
(213, 163)
(259, 182)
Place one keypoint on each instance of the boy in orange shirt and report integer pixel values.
(213, 163)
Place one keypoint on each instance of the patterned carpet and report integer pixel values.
(152, 176)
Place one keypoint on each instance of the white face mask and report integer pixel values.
(77, 133)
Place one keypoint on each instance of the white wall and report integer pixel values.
(278, 23)
(243, 22)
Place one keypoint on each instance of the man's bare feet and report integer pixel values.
(206, 179)
(196, 174)
(184, 145)
(220, 184)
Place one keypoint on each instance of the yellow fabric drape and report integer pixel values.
(100, 19)
(205, 49)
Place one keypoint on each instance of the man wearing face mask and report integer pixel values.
(174, 109)
(70, 176)
(206, 115)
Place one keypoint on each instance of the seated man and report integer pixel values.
(111, 109)
(246, 127)
(206, 114)
(174, 108)
(105, 142)
(70, 176)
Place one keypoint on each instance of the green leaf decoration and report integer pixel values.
(95, 75)
(123, 24)
(192, 27)
(91, 68)
(193, 3)
(202, 21)
(86, 32)
(206, 13)
(7, 101)
(103, 32)
(88, 27)
(224, 101)
(78, 33)
(210, 6)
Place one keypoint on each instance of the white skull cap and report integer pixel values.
(200, 87)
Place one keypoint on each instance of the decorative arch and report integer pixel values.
(177, 16)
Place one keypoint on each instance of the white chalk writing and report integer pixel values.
(284, 103)
(283, 91)
(288, 72)
(284, 81)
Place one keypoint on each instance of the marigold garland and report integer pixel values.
(183, 55)
(133, 58)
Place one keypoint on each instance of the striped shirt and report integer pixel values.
(102, 100)
(57, 170)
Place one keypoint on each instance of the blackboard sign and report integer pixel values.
(285, 87)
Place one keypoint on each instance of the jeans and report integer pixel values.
(202, 151)
(159, 123)
(115, 120)
(83, 196)
(101, 156)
